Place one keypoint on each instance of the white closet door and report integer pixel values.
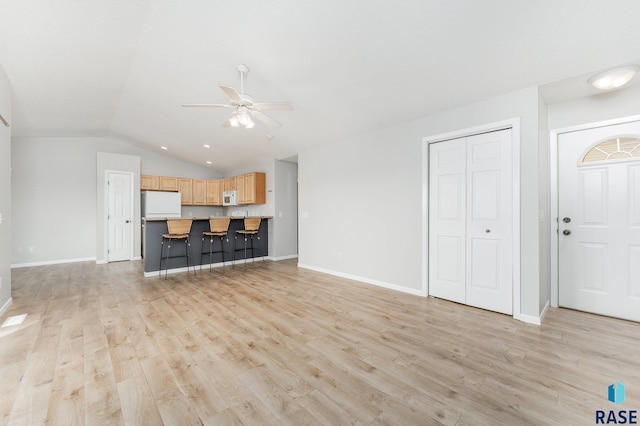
(470, 221)
(447, 219)
(489, 222)
(599, 227)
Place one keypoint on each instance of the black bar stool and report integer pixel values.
(178, 229)
(251, 228)
(218, 227)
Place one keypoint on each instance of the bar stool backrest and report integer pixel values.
(219, 224)
(179, 226)
(252, 223)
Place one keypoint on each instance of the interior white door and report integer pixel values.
(447, 219)
(470, 221)
(489, 222)
(120, 215)
(599, 220)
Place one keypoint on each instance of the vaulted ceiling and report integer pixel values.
(123, 67)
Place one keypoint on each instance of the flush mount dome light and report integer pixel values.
(614, 78)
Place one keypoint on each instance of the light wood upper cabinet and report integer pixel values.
(199, 192)
(214, 192)
(158, 183)
(230, 184)
(167, 183)
(185, 186)
(149, 183)
(254, 188)
(240, 189)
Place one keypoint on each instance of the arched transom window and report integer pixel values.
(614, 149)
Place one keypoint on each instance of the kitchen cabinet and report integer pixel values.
(185, 186)
(158, 183)
(149, 183)
(240, 189)
(230, 184)
(253, 188)
(214, 192)
(166, 183)
(198, 192)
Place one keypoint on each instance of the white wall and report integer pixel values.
(606, 106)
(54, 190)
(5, 194)
(285, 220)
(545, 216)
(360, 200)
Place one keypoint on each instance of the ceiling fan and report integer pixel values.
(245, 107)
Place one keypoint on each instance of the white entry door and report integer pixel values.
(470, 221)
(599, 220)
(120, 216)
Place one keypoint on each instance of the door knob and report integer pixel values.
(487, 231)
(566, 220)
(127, 221)
(566, 232)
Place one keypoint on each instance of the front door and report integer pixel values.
(470, 221)
(599, 220)
(120, 215)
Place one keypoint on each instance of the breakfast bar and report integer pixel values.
(153, 228)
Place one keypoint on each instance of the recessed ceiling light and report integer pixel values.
(164, 147)
(614, 78)
(206, 146)
(208, 162)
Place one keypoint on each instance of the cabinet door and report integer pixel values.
(241, 188)
(186, 191)
(199, 192)
(255, 184)
(148, 183)
(214, 192)
(167, 183)
(230, 184)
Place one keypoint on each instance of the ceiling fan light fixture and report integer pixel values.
(615, 78)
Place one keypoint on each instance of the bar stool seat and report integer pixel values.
(251, 228)
(218, 227)
(178, 229)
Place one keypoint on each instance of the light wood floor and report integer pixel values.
(274, 344)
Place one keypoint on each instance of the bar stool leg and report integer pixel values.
(211, 240)
(166, 262)
(161, 256)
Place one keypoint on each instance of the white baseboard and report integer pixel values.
(544, 311)
(364, 280)
(6, 306)
(279, 258)
(529, 319)
(51, 262)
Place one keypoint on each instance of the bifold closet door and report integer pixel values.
(470, 221)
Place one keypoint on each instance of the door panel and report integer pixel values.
(447, 220)
(489, 224)
(598, 253)
(120, 217)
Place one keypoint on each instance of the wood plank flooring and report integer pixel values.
(271, 344)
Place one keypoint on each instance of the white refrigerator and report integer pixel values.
(155, 204)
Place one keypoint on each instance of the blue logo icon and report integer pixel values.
(616, 393)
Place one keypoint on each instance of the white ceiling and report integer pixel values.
(123, 67)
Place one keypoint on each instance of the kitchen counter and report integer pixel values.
(153, 228)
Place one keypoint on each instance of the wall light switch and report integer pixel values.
(1, 218)
(305, 215)
(279, 214)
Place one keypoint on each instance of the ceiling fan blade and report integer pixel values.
(232, 94)
(227, 121)
(208, 105)
(280, 106)
(265, 118)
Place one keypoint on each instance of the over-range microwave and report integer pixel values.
(230, 198)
